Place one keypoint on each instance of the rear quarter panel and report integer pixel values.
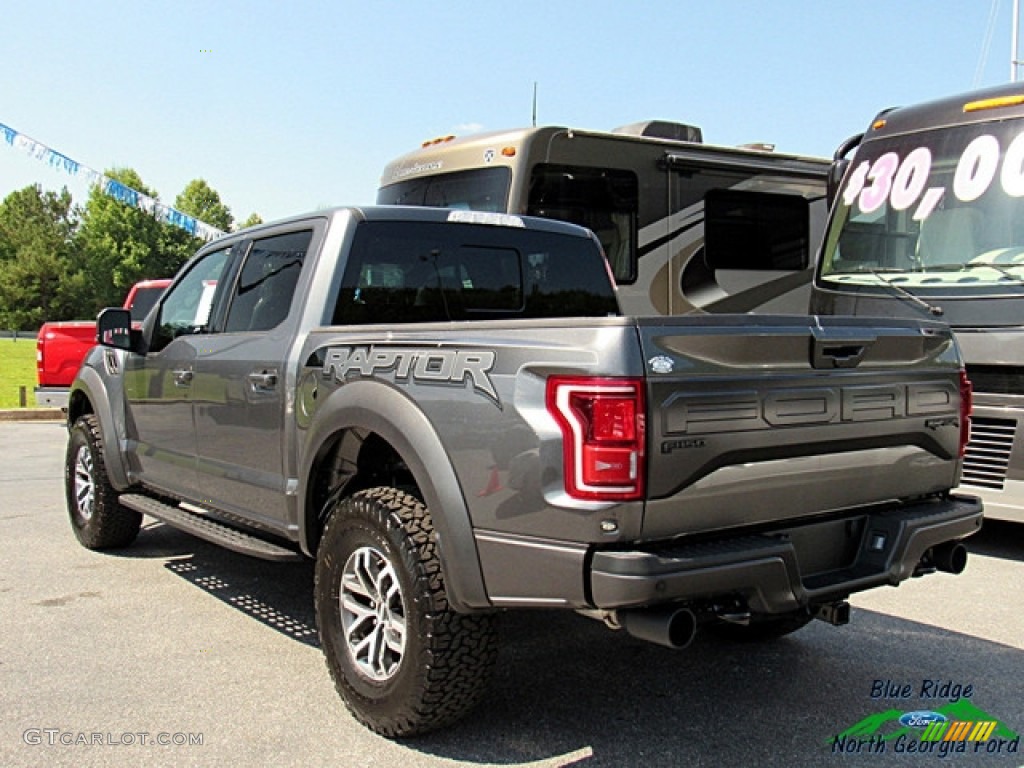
(480, 388)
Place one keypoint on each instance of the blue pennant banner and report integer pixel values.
(109, 186)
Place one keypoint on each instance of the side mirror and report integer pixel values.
(835, 179)
(840, 162)
(114, 328)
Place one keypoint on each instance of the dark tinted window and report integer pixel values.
(403, 272)
(756, 230)
(264, 292)
(143, 301)
(601, 199)
(481, 189)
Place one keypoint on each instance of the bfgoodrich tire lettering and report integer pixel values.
(403, 661)
(97, 518)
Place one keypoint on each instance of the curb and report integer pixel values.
(32, 414)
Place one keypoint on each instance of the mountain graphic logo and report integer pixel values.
(886, 726)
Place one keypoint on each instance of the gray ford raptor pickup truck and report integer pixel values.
(449, 413)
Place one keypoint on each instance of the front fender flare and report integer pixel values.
(101, 393)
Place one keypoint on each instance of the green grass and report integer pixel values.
(17, 369)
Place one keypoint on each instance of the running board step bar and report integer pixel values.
(209, 530)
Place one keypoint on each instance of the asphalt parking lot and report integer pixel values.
(174, 652)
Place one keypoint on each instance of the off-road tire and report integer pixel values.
(435, 663)
(762, 628)
(97, 518)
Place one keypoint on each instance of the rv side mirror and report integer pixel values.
(835, 178)
(114, 328)
(840, 162)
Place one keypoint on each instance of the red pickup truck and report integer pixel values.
(61, 346)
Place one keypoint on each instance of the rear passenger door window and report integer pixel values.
(266, 285)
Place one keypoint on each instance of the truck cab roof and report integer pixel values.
(425, 214)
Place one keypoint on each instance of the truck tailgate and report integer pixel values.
(755, 419)
(60, 349)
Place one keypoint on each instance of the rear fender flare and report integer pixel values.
(379, 408)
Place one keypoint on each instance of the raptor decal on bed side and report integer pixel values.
(424, 365)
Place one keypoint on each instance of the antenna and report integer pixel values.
(1014, 62)
(535, 101)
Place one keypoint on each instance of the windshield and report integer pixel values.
(937, 212)
(483, 189)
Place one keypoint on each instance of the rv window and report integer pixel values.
(756, 230)
(601, 199)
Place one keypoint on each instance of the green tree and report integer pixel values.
(200, 200)
(60, 262)
(252, 221)
(120, 242)
(40, 269)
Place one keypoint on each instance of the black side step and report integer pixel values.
(210, 530)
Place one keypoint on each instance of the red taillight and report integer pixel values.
(966, 405)
(602, 422)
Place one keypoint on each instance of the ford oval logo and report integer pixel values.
(922, 718)
(661, 364)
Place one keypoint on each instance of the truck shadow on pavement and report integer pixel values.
(998, 538)
(278, 595)
(568, 691)
(566, 687)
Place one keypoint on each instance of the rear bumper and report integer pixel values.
(886, 546)
(52, 397)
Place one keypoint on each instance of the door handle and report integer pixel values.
(263, 381)
(182, 377)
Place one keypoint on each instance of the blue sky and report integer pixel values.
(284, 107)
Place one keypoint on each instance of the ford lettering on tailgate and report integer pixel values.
(711, 413)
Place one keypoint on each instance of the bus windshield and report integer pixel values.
(938, 212)
(480, 189)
